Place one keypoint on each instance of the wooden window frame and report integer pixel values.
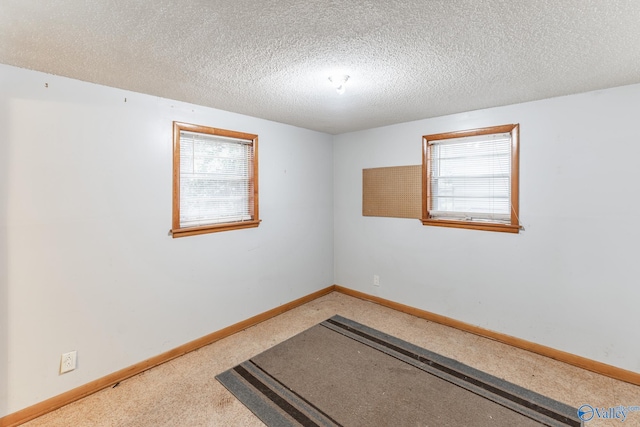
(176, 230)
(514, 225)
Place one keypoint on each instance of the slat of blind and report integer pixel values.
(471, 139)
(186, 133)
(469, 216)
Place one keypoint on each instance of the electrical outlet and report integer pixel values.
(376, 280)
(68, 361)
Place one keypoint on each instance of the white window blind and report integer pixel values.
(471, 178)
(215, 179)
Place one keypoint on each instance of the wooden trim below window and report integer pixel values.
(473, 225)
(227, 226)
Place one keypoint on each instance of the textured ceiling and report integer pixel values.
(407, 59)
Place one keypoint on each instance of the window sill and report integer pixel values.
(205, 229)
(473, 225)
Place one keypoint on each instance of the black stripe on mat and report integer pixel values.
(275, 398)
(488, 387)
(274, 379)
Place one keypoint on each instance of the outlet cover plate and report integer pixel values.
(68, 361)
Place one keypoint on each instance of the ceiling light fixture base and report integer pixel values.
(339, 82)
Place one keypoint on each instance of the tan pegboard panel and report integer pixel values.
(392, 192)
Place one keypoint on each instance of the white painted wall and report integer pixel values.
(570, 281)
(85, 207)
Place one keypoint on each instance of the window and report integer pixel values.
(215, 180)
(471, 179)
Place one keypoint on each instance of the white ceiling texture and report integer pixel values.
(406, 60)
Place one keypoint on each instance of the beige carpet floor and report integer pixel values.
(184, 392)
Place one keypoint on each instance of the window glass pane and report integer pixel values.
(215, 181)
(470, 177)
